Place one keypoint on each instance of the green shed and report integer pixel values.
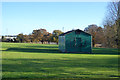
(75, 41)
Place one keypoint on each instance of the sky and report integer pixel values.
(24, 17)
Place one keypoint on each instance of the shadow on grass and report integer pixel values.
(56, 50)
(32, 50)
(56, 65)
(43, 46)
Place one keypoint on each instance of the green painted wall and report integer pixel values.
(76, 42)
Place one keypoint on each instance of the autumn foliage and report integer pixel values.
(40, 36)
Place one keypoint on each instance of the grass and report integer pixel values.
(25, 60)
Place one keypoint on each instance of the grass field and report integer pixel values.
(25, 60)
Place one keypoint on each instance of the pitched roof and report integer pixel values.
(73, 31)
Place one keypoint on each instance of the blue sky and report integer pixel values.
(24, 17)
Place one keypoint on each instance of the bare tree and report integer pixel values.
(113, 9)
(111, 24)
(113, 12)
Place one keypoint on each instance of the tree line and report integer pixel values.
(109, 35)
(37, 36)
(40, 35)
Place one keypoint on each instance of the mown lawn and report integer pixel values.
(25, 60)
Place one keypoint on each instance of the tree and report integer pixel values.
(27, 38)
(49, 37)
(91, 29)
(118, 24)
(111, 24)
(20, 37)
(96, 32)
(56, 34)
(31, 37)
(99, 38)
(39, 35)
(113, 10)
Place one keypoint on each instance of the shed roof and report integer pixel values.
(78, 30)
